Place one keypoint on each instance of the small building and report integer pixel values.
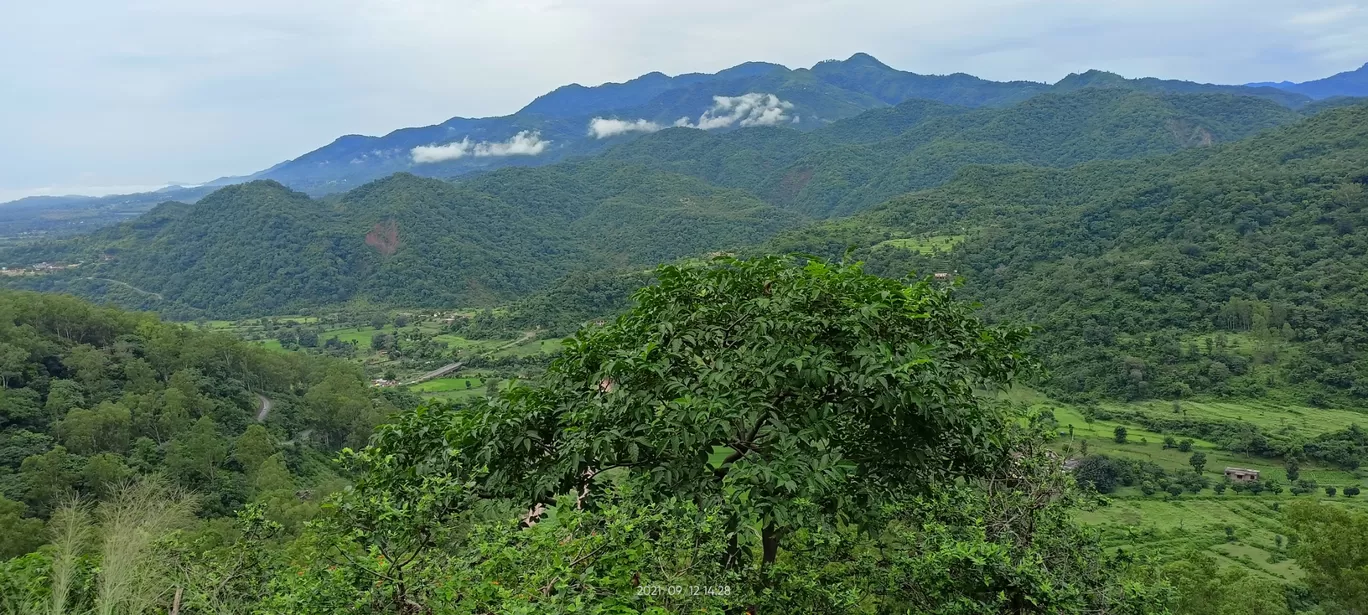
(1241, 475)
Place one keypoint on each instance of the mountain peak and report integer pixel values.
(864, 59)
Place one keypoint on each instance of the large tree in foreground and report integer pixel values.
(762, 387)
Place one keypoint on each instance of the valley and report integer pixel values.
(840, 339)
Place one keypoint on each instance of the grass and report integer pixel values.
(1168, 529)
(450, 384)
(1147, 445)
(925, 245)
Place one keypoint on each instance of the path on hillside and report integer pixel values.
(265, 408)
(525, 336)
(441, 371)
(128, 286)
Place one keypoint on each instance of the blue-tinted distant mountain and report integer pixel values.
(576, 100)
(558, 125)
(1348, 83)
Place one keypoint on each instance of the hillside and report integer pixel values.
(263, 248)
(862, 161)
(1226, 270)
(260, 248)
(91, 397)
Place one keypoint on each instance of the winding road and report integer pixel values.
(264, 409)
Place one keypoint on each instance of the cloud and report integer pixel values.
(441, 153)
(196, 90)
(753, 109)
(602, 128)
(525, 143)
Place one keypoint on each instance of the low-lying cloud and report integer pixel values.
(603, 128)
(753, 109)
(525, 143)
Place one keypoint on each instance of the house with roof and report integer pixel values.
(1241, 475)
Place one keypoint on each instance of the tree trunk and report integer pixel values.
(769, 537)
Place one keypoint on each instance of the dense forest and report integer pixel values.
(259, 248)
(1227, 271)
(92, 397)
(772, 435)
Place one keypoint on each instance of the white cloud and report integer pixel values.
(195, 90)
(603, 128)
(525, 143)
(753, 109)
(441, 153)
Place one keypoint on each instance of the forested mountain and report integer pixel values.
(562, 123)
(859, 162)
(1230, 270)
(91, 397)
(263, 248)
(1347, 83)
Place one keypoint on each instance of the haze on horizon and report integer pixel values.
(106, 97)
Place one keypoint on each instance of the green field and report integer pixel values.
(924, 245)
(1168, 528)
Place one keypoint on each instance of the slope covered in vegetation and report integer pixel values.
(1231, 270)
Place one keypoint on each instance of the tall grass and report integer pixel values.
(133, 578)
(71, 531)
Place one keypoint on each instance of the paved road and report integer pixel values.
(265, 408)
(441, 371)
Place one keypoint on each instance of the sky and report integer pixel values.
(106, 96)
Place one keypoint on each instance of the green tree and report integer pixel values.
(106, 428)
(1119, 434)
(1185, 445)
(47, 478)
(253, 447)
(63, 395)
(1331, 545)
(13, 363)
(818, 382)
(18, 535)
(1198, 462)
(104, 472)
(194, 457)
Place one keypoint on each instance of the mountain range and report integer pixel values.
(1127, 216)
(562, 124)
(262, 247)
(1348, 83)
(577, 120)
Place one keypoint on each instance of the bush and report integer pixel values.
(1120, 435)
(1351, 491)
(1185, 446)
(1097, 471)
(1330, 491)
